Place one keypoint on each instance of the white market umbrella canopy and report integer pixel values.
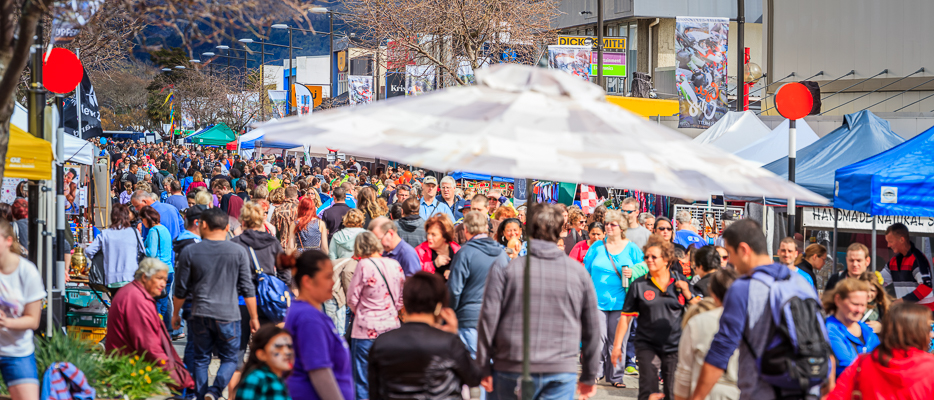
(536, 123)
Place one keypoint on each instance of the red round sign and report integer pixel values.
(62, 71)
(794, 101)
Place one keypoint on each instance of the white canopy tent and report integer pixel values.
(77, 150)
(775, 145)
(734, 131)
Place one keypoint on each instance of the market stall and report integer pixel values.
(734, 131)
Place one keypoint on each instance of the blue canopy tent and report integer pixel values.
(897, 182)
(458, 175)
(260, 142)
(861, 136)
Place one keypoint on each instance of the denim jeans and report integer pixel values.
(209, 336)
(631, 346)
(164, 305)
(469, 337)
(337, 314)
(359, 353)
(547, 386)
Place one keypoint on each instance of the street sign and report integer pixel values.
(611, 44)
(614, 64)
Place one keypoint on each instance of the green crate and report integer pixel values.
(87, 319)
(79, 297)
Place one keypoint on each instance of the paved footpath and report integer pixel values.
(604, 390)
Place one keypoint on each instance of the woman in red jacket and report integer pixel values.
(436, 252)
(900, 368)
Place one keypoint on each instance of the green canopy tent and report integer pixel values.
(217, 135)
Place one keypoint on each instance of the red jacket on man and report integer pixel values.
(908, 376)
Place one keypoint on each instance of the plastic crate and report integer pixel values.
(94, 335)
(80, 297)
(87, 320)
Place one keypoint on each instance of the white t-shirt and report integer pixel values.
(18, 289)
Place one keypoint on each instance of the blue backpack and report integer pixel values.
(797, 355)
(273, 296)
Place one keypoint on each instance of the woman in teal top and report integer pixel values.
(609, 262)
(159, 245)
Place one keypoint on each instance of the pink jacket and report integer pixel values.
(376, 308)
(424, 255)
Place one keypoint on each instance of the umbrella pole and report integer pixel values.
(833, 252)
(873, 242)
(527, 388)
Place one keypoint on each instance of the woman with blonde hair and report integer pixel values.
(849, 335)
(197, 181)
(276, 198)
(204, 198)
(342, 242)
(366, 202)
(879, 301)
(900, 368)
(503, 213)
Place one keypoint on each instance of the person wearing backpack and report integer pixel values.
(749, 323)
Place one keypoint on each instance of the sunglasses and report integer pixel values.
(653, 258)
(663, 229)
(612, 225)
(627, 212)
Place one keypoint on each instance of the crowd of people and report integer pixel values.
(395, 284)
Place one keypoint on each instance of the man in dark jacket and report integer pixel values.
(411, 227)
(333, 216)
(469, 269)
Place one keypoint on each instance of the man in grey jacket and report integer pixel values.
(469, 270)
(564, 323)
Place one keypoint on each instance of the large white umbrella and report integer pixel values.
(535, 123)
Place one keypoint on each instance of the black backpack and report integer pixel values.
(797, 354)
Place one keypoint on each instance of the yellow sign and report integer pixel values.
(316, 92)
(342, 61)
(609, 43)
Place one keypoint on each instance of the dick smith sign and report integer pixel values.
(822, 218)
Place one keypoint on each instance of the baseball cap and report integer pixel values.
(465, 205)
(194, 212)
(430, 180)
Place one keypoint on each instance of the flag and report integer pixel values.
(90, 112)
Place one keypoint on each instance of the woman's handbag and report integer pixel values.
(140, 249)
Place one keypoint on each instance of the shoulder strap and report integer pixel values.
(255, 262)
(388, 289)
(613, 262)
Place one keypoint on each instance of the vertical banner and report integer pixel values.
(303, 99)
(419, 79)
(90, 113)
(278, 98)
(395, 84)
(571, 59)
(361, 89)
(701, 55)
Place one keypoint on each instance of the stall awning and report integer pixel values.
(899, 181)
(27, 156)
(458, 175)
(217, 135)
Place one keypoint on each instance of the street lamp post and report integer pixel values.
(315, 10)
(262, 78)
